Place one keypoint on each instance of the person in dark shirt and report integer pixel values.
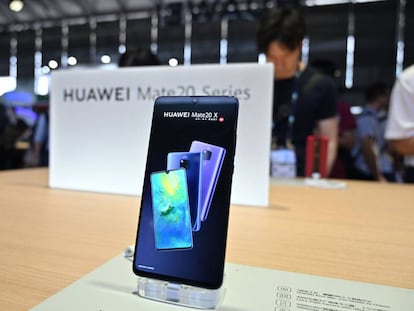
(304, 99)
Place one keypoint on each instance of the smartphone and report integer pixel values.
(178, 122)
(192, 163)
(171, 210)
(213, 157)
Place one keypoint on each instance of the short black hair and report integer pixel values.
(285, 25)
(138, 57)
(375, 90)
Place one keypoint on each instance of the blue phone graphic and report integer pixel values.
(212, 161)
(192, 163)
(171, 211)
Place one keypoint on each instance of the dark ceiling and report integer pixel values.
(375, 23)
(38, 11)
(47, 10)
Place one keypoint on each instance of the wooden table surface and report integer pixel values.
(49, 238)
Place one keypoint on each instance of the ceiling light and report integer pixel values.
(173, 62)
(16, 5)
(330, 2)
(7, 84)
(261, 59)
(105, 59)
(72, 61)
(53, 64)
(45, 69)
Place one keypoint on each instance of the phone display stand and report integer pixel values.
(316, 157)
(174, 293)
(316, 166)
(318, 182)
(180, 294)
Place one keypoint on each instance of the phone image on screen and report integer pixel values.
(213, 157)
(171, 211)
(188, 179)
(192, 163)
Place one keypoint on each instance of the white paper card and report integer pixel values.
(111, 287)
(100, 123)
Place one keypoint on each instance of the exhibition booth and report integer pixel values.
(70, 231)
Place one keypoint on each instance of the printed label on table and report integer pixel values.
(288, 299)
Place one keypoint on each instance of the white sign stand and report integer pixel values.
(100, 123)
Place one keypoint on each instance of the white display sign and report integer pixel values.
(113, 286)
(100, 123)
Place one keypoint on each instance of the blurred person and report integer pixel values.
(3, 117)
(8, 135)
(400, 126)
(138, 57)
(14, 141)
(372, 159)
(344, 162)
(3, 122)
(343, 165)
(304, 100)
(40, 154)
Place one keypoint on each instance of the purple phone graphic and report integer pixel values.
(213, 157)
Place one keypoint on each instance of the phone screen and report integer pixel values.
(182, 227)
(171, 211)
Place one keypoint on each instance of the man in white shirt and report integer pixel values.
(400, 126)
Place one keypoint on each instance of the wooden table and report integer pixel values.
(49, 238)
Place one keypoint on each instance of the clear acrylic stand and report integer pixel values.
(317, 181)
(174, 293)
(180, 294)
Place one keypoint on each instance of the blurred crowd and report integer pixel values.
(363, 152)
(305, 103)
(24, 135)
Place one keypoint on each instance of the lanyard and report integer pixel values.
(293, 103)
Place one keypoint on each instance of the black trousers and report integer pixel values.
(363, 176)
(409, 174)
